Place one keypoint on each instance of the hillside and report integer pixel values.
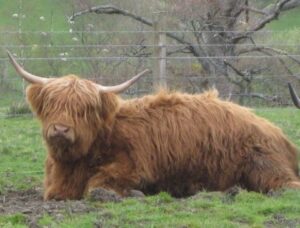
(34, 15)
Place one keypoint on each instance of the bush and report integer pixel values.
(18, 109)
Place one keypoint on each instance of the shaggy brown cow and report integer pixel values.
(170, 141)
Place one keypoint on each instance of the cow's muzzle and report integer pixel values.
(59, 132)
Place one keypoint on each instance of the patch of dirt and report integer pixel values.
(230, 194)
(31, 204)
(280, 220)
(102, 195)
(275, 193)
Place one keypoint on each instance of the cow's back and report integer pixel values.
(194, 141)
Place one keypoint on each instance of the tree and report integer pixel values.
(220, 34)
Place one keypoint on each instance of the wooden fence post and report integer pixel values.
(160, 51)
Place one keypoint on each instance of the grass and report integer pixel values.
(21, 152)
(288, 20)
(21, 166)
(288, 119)
(17, 109)
(9, 96)
(248, 209)
(29, 13)
(10, 221)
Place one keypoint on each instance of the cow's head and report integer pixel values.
(72, 111)
(294, 96)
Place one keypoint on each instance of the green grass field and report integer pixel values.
(21, 166)
(53, 12)
(287, 21)
(203, 210)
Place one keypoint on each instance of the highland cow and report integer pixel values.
(169, 141)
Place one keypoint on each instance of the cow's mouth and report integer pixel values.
(62, 148)
(60, 142)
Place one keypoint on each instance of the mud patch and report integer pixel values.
(280, 220)
(30, 203)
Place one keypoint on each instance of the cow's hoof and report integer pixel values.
(54, 196)
(104, 195)
(136, 193)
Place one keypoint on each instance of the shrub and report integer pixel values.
(18, 109)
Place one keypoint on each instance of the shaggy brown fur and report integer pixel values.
(173, 142)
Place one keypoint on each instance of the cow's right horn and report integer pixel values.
(294, 96)
(26, 75)
(120, 88)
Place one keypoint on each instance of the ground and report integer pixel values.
(29, 209)
(31, 204)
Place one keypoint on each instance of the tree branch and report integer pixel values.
(267, 50)
(233, 81)
(288, 6)
(262, 48)
(238, 72)
(111, 9)
(272, 15)
(260, 96)
(247, 8)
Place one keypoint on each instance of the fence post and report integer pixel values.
(160, 51)
(5, 71)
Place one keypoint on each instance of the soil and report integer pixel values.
(279, 220)
(31, 204)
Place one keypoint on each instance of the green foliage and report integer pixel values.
(17, 109)
(288, 20)
(46, 221)
(9, 96)
(206, 209)
(288, 119)
(53, 12)
(13, 221)
(22, 153)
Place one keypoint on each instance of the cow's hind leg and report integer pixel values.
(293, 184)
(263, 174)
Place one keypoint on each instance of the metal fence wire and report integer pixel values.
(110, 61)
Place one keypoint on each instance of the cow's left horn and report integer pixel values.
(120, 88)
(294, 96)
(26, 75)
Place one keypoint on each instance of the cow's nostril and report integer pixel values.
(61, 128)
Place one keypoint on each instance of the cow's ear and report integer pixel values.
(34, 97)
(110, 105)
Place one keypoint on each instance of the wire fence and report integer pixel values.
(98, 56)
(5, 32)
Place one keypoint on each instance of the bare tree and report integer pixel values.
(220, 34)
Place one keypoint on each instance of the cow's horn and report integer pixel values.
(120, 88)
(294, 96)
(26, 75)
